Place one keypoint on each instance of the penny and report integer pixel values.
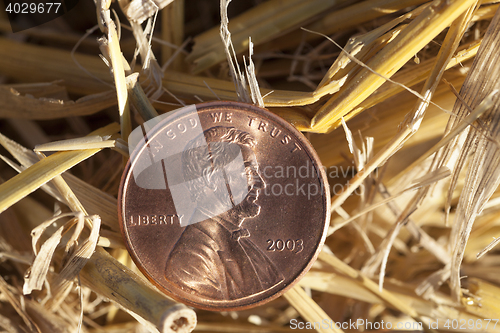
(223, 205)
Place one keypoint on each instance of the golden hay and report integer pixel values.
(413, 164)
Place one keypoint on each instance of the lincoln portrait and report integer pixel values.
(216, 258)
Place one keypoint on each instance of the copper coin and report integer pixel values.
(223, 205)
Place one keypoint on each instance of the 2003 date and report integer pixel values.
(295, 246)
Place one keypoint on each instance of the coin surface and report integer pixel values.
(223, 205)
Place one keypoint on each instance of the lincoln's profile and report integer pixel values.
(216, 258)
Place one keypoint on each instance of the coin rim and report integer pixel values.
(238, 106)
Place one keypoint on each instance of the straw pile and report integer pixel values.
(399, 98)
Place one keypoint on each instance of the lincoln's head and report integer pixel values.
(221, 172)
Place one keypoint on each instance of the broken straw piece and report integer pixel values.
(88, 142)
